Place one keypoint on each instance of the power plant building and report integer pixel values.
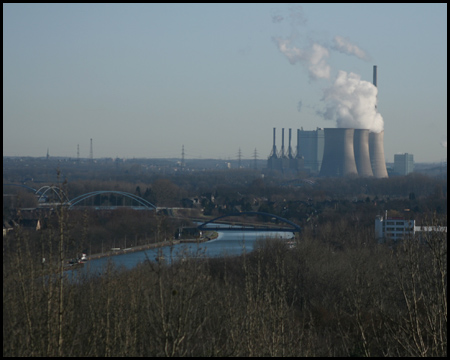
(403, 163)
(333, 152)
(284, 161)
(311, 144)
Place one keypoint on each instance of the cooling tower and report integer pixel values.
(338, 155)
(362, 157)
(376, 150)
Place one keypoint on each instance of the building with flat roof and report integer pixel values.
(396, 228)
(310, 145)
(403, 163)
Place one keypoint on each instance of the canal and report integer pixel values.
(228, 243)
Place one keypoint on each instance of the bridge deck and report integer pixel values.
(247, 228)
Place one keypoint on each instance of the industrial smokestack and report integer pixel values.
(298, 143)
(375, 75)
(376, 150)
(273, 162)
(361, 148)
(338, 156)
(274, 147)
(282, 143)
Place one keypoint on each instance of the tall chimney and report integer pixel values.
(282, 143)
(362, 157)
(298, 143)
(376, 150)
(375, 75)
(274, 147)
(338, 155)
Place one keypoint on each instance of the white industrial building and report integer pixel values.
(396, 228)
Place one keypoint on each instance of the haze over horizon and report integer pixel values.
(142, 80)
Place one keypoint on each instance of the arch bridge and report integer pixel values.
(41, 193)
(209, 225)
(141, 201)
(56, 190)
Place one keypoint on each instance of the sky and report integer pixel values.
(142, 80)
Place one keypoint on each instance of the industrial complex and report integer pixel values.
(332, 152)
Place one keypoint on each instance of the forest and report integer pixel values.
(338, 293)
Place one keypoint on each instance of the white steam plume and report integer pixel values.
(277, 18)
(351, 101)
(314, 57)
(344, 46)
(444, 143)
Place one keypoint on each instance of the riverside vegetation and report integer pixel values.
(337, 293)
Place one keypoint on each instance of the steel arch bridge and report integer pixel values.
(294, 227)
(146, 204)
(55, 189)
(43, 190)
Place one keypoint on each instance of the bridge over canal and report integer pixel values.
(233, 225)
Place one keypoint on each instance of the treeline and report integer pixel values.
(221, 192)
(92, 232)
(337, 293)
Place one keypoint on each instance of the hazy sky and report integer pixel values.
(141, 80)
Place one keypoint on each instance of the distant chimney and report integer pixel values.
(282, 143)
(375, 75)
(274, 147)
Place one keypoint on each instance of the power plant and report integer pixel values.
(345, 152)
(333, 152)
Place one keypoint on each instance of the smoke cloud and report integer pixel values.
(277, 18)
(444, 143)
(314, 57)
(343, 45)
(349, 100)
(352, 103)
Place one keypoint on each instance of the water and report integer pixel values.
(228, 243)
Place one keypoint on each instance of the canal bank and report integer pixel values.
(207, 236)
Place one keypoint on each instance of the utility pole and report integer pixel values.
(91, 153)
(255, 156)
(182, 158)
(239, 158)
